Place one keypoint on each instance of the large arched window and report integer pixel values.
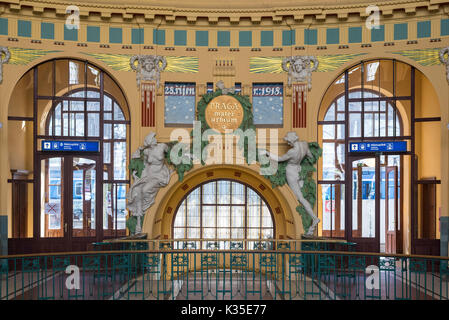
(226, 210)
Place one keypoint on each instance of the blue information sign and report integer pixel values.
(82, 146)
(380, 146)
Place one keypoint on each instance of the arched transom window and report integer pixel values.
(223, 210)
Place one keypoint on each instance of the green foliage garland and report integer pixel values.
(279, 179)
(247, 121)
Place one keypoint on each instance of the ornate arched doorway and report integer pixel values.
(80, 122)
(370, 125)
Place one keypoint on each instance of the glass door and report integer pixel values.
(390, 237)
(69, 201)
(364, 203)
(52, 198)
(83, 197)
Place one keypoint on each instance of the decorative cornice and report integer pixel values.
(233, 11)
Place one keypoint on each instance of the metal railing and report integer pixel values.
(166, 273)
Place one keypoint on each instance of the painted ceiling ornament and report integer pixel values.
(444, 58)
(148, 68)
(4, 58)
(300, 69)
(150, 174)
(221, 86)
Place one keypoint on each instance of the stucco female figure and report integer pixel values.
(294, 157)
(155, 175)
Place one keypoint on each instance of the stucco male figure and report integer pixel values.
(148, 68)
(300, 69)
(155, 175)
(294, 157)
(445, 60)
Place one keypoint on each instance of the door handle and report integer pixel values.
(65, 227)
(88, 222)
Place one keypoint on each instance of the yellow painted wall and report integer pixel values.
(432, 86)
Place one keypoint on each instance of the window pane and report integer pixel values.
(193, 216)
(253, 198)
(254, 233)
(120, 160)
(254, 217)
(193, 233)
(106, 152)
(330, 114)
(238, 217)
(79, 125)
(328, 131)
(209, 233)
(181, 215)
(237, 233)
(238, 193)
(179, 233)
(107, 103)
(93, 105)
(118, 114)
(209, 193)
(194, 198)
(209, 216)
(93, 124)
(267, 222)
(119, 131)
(340, 131)
(57, 118)
(223, 216)
(107, 131)
(224, 233)
(354, 124)
(267, 233)
(223, 193)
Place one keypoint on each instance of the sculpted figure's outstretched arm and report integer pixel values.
(277, 158)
